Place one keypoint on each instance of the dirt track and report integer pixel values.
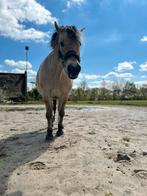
(103, 153)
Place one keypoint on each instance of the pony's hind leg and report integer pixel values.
(49, 117)
(61, 111)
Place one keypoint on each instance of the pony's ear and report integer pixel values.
(57, 27)
(83, 29)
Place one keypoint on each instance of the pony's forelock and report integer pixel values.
(73, 33)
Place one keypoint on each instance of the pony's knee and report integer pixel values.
(48, 115)
(61, 113)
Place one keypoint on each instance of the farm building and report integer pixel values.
(13, 86)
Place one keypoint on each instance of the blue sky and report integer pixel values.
(114, 46)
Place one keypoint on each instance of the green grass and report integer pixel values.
(111, 102)
(7, 109)
(102, 102)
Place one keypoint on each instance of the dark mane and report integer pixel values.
(54, 39)
(72, 32)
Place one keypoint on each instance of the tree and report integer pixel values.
(82, 90)
(34, 94)
(143, 92)
(117, 91)
(93, 94)
(129, 91)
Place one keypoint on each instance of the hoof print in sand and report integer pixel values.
(38, 165)
(122, 157)
(144, 153)
(91, 133)
(58, 148)
(142, 173)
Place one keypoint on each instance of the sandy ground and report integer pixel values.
(103, 153)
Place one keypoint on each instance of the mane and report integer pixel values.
(72, 32)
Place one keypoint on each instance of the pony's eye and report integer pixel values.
(62, 44)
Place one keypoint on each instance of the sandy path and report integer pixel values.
(85, 161)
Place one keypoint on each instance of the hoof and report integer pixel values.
(59, 133)
(49, 137)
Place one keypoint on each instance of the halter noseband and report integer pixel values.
(67, 55)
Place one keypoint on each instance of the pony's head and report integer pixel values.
(67, 41)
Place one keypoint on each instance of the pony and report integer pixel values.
(56, 73)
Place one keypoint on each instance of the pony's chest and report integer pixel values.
(60, 88)
(55, 92)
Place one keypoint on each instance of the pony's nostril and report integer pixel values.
(70, 68)
(74, 69)
(78, 68)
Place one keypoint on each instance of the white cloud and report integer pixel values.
(143, 67)
(141, 83)
(143, 77)
(71, 3)
(101, 83)
(94, 83)
(18, 64)
(31, 73)
(124, 66)
(16, 70)
(118, 75)
(94, 80)
(77, 82)
(144, 39)
(13, 14)
(89, 76)
(3, 71)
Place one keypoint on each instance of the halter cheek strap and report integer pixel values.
(67, 55)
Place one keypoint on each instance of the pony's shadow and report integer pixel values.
(18, 150)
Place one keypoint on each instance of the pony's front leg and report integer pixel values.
(61, 111)
(49, 117)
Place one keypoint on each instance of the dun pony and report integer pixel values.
(55, 75)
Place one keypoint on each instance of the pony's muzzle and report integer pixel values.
(73, 70)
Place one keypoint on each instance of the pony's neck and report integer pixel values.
(55, 51)
(57, 64)
(57, 60)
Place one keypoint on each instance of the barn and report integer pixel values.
(13, 86)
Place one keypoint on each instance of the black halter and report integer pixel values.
(67, 55)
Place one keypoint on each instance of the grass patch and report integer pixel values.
(7, 109)
(111, 102)
(142, 103)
